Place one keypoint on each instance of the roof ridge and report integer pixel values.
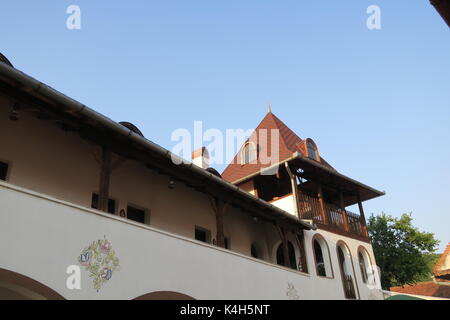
(289, 144)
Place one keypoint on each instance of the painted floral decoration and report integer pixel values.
(292, 293)
(100, 260)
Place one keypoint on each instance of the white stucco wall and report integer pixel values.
(40, 237)
(61, 165)
(286, 203)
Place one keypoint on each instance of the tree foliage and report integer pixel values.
(402, 251)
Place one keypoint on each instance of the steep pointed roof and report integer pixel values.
(289, 143)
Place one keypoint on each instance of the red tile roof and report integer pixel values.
(429, 289)
(289, 143)
(438, 267)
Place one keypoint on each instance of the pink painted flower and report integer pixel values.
(105, 246)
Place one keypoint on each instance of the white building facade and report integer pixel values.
(90, 209)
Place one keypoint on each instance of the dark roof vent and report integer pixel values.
(5, 60)
(214, 172)
(132, 127)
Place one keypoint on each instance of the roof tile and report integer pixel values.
(429, 289)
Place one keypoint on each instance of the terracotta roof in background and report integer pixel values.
(438, 267)
(289, 143)
(429, 289)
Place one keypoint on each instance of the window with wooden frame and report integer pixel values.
(111, 203)
(202, 234)
(312, 152)
(137, 214)
(4, 170)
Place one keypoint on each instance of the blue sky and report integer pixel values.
(377, 103)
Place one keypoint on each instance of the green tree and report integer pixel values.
(431, 260)
(402, 251)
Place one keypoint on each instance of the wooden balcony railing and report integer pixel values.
(335, 216)
(310, 209)
(355, 223)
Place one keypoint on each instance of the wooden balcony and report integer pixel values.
(332, 218)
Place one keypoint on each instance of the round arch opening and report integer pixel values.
(15, 286)
(164, 295)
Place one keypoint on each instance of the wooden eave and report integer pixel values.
(48, 104)
(443, 8)
(315, 172)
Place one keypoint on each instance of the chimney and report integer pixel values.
(200, 158)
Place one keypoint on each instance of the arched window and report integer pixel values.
(249, 153)
(342, 262)
(365, 266)
(312, 152)
(362, 267)
(291, 252)
(347, 272)
(322, 257)
(320, 264)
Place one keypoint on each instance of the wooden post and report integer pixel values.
(285, 249)
(294, 187)
(343, 211)
(105, 174)
(299, 236)
(285, 246)
(361, 215)
(220, 211)
(321, 204)
(219, 207)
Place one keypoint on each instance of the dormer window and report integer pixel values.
(312, 152)
(249, 153)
